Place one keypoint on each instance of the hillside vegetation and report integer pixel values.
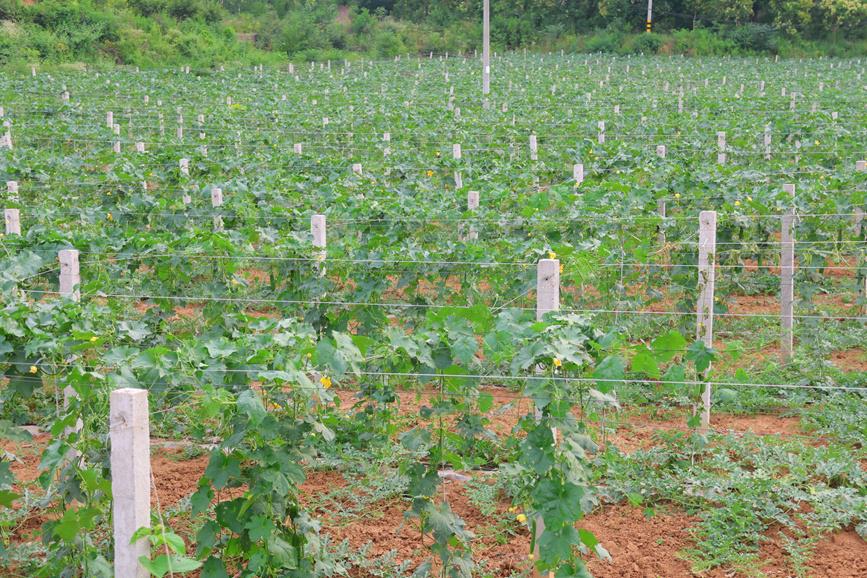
(207, 32)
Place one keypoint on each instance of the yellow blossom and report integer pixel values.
(108, 216)
(737, 203)
(521, 518)
(325, 381)
(561, 267)
(750, 199)
(33, 369)
(552, 255)
(531, 557)
(94, 339)
(676, 195)
(557, 363)
(429, 173)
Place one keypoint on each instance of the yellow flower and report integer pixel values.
(438, 154)
(512, 509)
(557, 363)
(817, 143)
(429, 173)
(521, 518)
(325, 381)
(750, 199)
(33, 369)
(531, 557)
(94, 339)
(676, 195)
(552, 255)
(108, 216)
(737, 203)
(561, 267)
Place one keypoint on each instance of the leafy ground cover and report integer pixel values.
(387, 405)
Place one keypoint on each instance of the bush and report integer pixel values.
(387, 44)
(604, 41)
(752, 37)
(702, 42)
(645, 43)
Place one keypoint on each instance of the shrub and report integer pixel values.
(752, 37)
(604, 41)
(646, 43)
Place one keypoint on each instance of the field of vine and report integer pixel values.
(356, 319)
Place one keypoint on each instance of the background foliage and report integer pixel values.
(206, 32)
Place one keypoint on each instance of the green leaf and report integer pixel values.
(644, 362)
(259, 527)
(163, 564)
(668, 345)
(486, 401)
(214, 568)
(700, 355)
(610, 372)
(250, 404)
(7, 497)
(587, 538)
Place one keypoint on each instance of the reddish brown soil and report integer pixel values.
(845, 267)
(187, 311)
(642, 432)
(840, 555)
(640, 546)
(754, 304)
(255, 276)
(851, 360)
(508, 406)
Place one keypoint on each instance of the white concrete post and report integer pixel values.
(356, 168)
(129, 431)
(12, 189)
(13, 222)
(578, 173)
(861, 166)
(217, 201)
(298, 148)
(706, 280)
(767, 142)
(661, 210)
(115, 147)
(459, 180)
(661, 151)
(721, 144)
(486, 47)
(601, 126)
(139, 147)
(547, 287)
(787, 281)
(534, 148)
(109, 119)
(456, 151)
(473, 205)
(70, 277)
(184, 165)
(317, 229)
(547, 299)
